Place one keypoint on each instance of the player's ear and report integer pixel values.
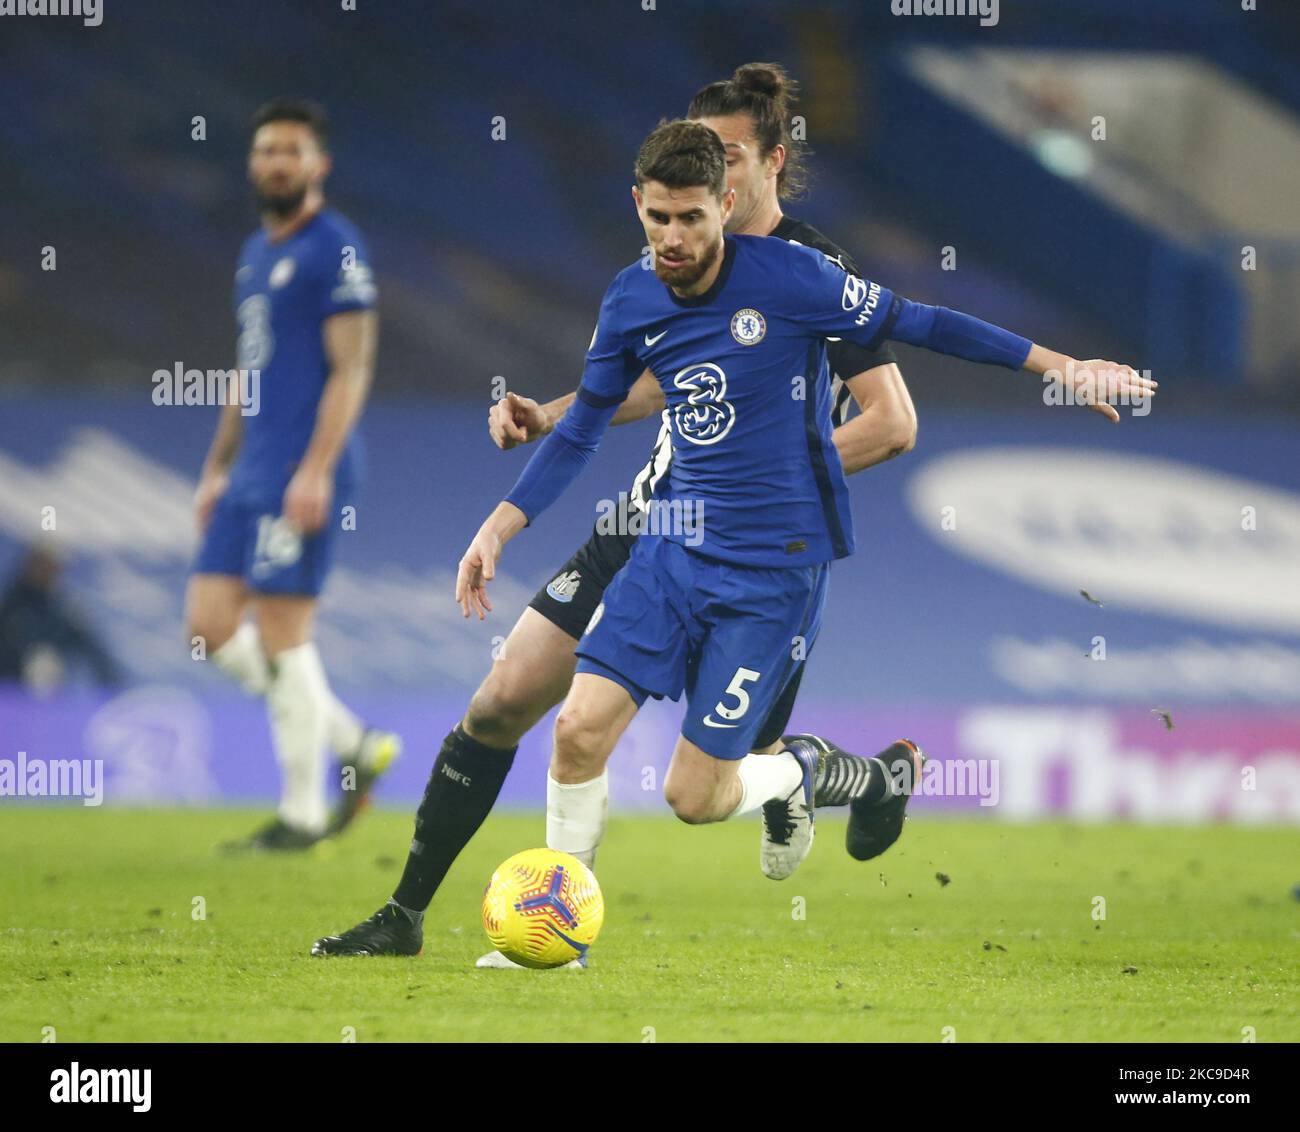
(776, 159)
(636, 197)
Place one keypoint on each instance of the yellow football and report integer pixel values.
(543, 908)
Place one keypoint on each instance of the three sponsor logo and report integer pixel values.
(706, 416)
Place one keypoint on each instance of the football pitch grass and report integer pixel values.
(99, 937)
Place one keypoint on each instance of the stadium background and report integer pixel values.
(491, 256)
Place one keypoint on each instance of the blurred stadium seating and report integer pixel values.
(491, 258)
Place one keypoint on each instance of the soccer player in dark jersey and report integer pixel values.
(273, 486)
(752, 112)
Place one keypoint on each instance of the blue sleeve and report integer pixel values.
(347, 282)
(867, 314)
(951, 332)
(840, 305)
(611, 370)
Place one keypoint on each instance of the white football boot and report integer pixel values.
(787, 836)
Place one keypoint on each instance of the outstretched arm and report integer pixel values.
(1093, 383)
(836, 303)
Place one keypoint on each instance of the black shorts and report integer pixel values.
(570, 598)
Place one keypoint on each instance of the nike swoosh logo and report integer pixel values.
(651, 341)
(709, 721)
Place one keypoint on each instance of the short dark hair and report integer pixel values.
(682, 155)
(767, 94)
(310, 114)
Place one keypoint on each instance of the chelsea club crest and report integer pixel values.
(748, 327)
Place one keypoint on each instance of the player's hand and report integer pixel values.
(307, 499)
(212, 486)
(515, 420)
(1098, 382)
(478, 566)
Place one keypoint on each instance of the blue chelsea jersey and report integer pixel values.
(283, 294)
(743, 368)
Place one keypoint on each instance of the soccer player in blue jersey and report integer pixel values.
(752, 112)
(731, 328)
(274, 484)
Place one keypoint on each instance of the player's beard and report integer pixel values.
(689, 273)
(281, 204)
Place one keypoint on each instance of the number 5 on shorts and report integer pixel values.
(736, 688)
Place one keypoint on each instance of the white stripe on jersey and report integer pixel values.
(661, 457)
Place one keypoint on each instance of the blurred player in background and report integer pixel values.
(751, 112)
(274, 484)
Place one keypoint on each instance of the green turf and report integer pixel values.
(97, 938)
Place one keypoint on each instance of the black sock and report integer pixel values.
(463, 787)
(849, 777)
(896, 772)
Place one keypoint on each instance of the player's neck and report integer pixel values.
(280, 228)
(763, 222)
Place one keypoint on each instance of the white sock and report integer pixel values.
(764, 777)
(242, 659)
(343, 730)
(298, 700)
(576, 814)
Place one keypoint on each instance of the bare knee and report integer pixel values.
(212, 623)
(579, 753)
(211, 633)
(691, 807)
(503, 709)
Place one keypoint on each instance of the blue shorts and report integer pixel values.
(252, 541)
(729, 636)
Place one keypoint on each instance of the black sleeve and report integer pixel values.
(848, 359)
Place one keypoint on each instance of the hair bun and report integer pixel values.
(767, 79)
